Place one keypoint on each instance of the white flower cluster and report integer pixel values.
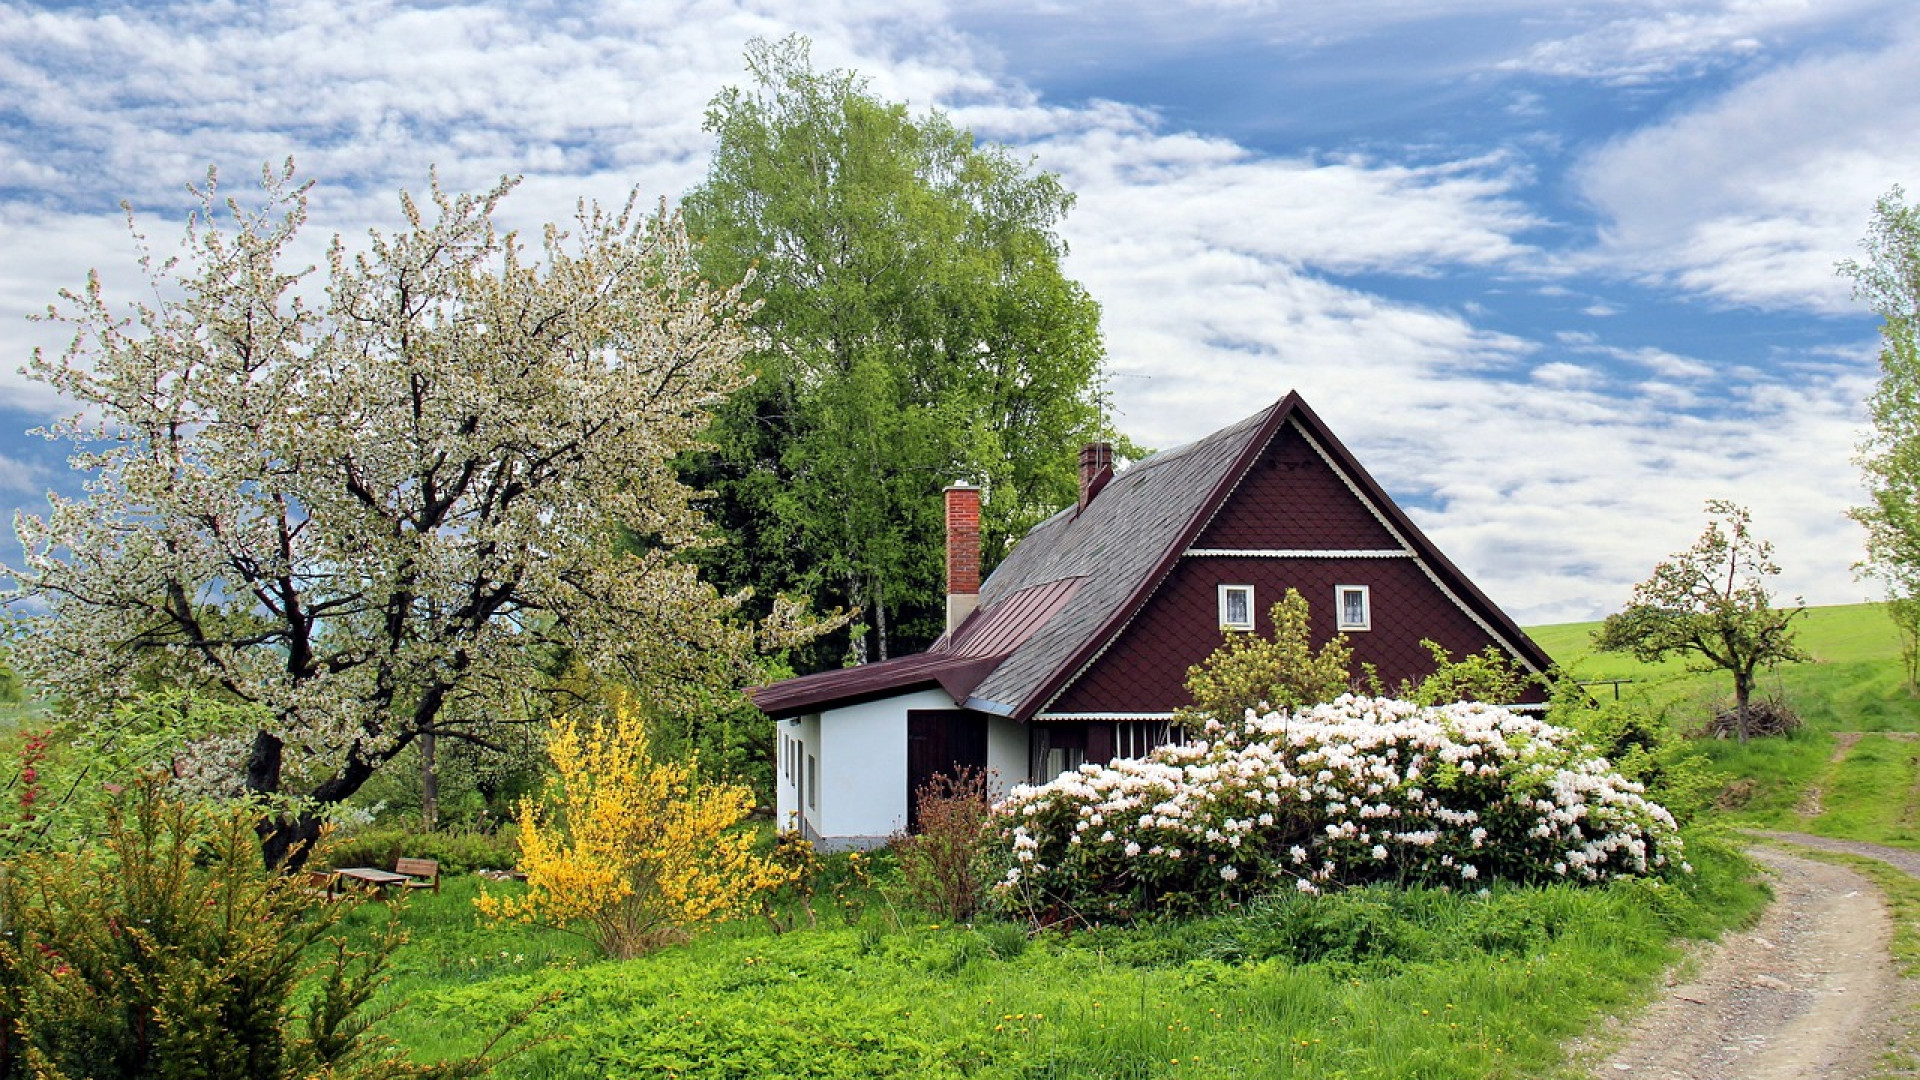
(1354, 791)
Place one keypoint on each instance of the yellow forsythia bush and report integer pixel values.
(629, 851)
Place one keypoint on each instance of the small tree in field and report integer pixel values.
(1263, 674)
(629, 851)
(1711, 602)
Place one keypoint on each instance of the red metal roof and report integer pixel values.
(956, 663)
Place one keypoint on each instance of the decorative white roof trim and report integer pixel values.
(1115, 716)
(1419, 562)
(1299, 553)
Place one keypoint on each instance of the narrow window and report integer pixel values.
(1356, 613)
(1138, 738)
(813, 782)
(1236, 607)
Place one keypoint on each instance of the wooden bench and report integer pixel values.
(421, 873)
(320, 884)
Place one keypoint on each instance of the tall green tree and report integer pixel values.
(1711, 603)
(1889, 458)
(914, 328)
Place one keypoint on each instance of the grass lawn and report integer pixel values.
(1373, 983)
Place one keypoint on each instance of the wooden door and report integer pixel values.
(940, 741)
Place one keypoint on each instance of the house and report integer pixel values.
(1077, 648)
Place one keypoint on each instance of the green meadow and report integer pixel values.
(1853, 771)
(1372, 983)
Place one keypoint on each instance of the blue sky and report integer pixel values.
(1557, 274)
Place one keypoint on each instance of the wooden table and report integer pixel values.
(367, 875)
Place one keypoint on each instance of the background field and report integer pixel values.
(1853, 771)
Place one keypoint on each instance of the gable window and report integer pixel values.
(1356, 610)
(1236, 607)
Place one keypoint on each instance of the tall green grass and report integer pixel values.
(1374, 983)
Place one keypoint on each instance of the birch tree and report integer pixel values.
(915, 328)
(378, 510)
(1889, 458)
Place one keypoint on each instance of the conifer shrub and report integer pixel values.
(1352, 792)
(169, 950)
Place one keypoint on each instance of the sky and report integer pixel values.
(1557, 274)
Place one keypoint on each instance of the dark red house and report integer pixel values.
(1077, 648)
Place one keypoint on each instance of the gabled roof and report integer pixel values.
(1034, 633)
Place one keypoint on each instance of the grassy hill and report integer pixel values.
(1853, 684)
(1853, 772)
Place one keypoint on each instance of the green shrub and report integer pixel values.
(169, 950)
(457, 852)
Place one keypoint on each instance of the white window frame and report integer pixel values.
(1225, 622)
(1340, 594)
(813, 782)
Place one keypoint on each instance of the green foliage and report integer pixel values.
(170, 951)
(458, 851)
(1641, 744)
(1490, 675)
(1262, 674)
(1472, 987)
(58, 786)
(915, 329)
(1889, 458)
(943, 866)
(1711, 603)
(1905, 613)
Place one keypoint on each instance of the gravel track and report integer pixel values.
(1808, 992)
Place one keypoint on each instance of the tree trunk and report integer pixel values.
(429, 783)
(880, 624)
(1742, 699)
(286, 841)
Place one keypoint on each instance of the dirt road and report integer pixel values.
(1809, 992)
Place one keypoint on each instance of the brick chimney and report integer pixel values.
(963, 552)
(1096, 468)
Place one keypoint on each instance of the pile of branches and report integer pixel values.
(1767, 716)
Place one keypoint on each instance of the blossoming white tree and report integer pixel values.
(380, 513)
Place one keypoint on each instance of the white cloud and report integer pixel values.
(1644, 40)
(1752, 197)
(1554, 471)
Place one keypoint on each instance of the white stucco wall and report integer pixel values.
(863, 769)
(788, 765)
(1007, 757)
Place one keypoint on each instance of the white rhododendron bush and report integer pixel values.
(1356, 791)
